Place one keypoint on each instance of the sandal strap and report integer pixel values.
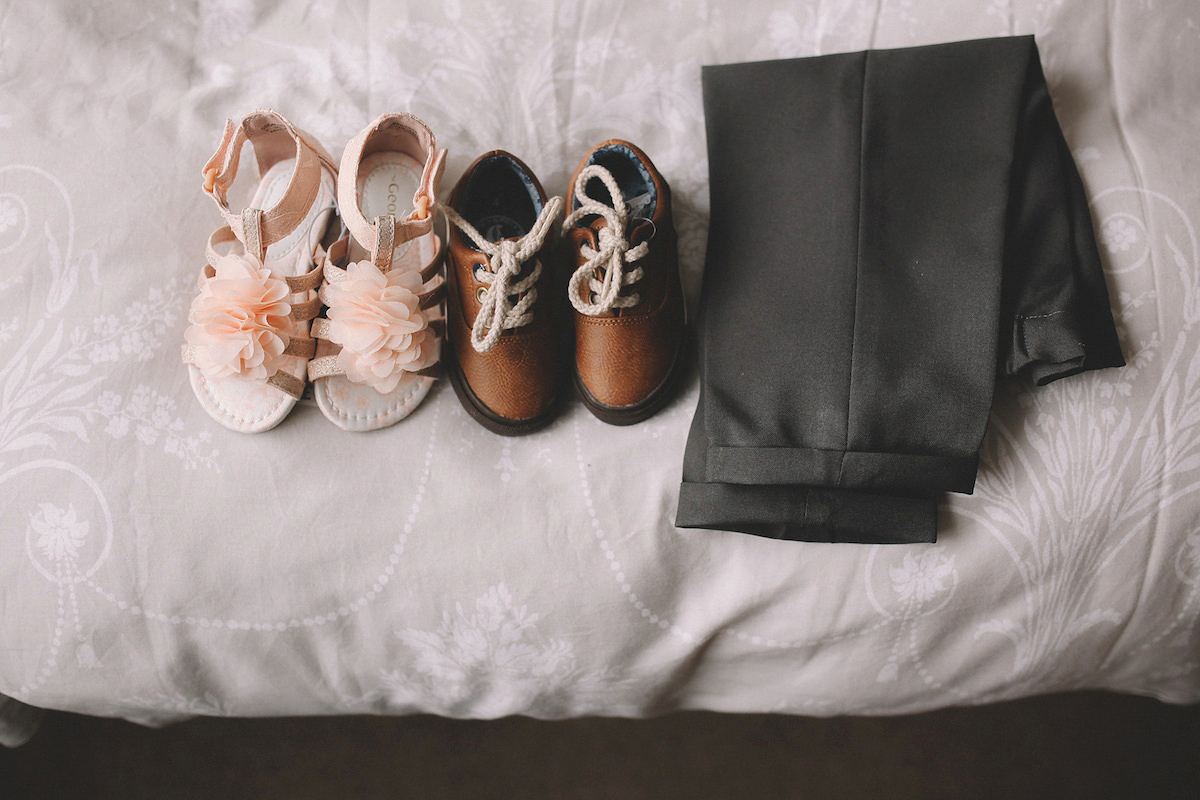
(299, 346)
(297, 284)
(306, 310)
(384, 233)
(324, 367)
(269, 134)
(320, 327)
(338, 251)
(430, 295)
(384, 249)
(287, 383)
(327, 367)
(327, 264)
(284, 381)
(307, 282)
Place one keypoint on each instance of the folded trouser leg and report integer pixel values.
(798, 512)
(889, 230)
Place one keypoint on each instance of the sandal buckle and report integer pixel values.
(422, 208)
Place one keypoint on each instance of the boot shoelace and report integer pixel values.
(506, 258)
(611, 257)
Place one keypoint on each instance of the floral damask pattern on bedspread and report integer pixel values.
(156, 566)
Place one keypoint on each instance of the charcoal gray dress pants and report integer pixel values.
(890, 231)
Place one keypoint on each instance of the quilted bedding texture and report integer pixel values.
(155, 566)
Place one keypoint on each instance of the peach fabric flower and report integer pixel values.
(378, 321)
(240, 323)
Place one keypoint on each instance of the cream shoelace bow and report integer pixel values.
(506, 258)
(614, 253)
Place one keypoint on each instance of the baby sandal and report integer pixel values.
(248, 343)
(379, 338)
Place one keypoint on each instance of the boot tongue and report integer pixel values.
(497, 227)
(594, 226)
(495, 232)
(587, 231)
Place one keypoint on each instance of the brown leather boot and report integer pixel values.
(628, 302)
(502, 327)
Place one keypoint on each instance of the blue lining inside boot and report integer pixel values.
(637, 187)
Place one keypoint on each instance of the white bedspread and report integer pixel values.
(154, 565)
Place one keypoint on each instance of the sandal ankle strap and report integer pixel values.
(273, 139)
(380, 236)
